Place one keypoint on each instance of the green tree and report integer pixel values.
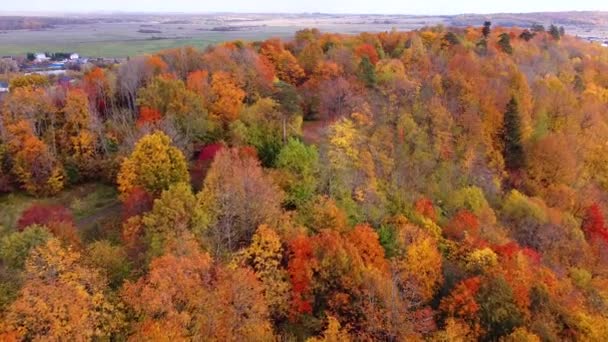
(173, 214)
(451, 39)
(486, 29)
(554, 32)
(504, 41)
(498, 311)
(526, 35)
(15, 247)
(513, 150)
(367, 72)
(301, 163)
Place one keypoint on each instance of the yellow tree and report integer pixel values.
(62, 300)
(77, 127)
(417, 264)
(154, 165)
(265, 256)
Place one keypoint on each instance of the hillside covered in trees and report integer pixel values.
(440, 184)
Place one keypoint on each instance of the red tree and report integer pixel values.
(300, 270)
(137, 201)
(594, 225)
(148, 115)
(463, 225)
(424, 207)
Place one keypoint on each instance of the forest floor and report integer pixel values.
(89, 203)
(313, 131)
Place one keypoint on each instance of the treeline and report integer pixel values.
(441, 184)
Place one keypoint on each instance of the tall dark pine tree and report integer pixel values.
(367, 72)
(504, 42)
(450, 39)
(526, 35)
(486, 29)
(513, 152)
(554, 32)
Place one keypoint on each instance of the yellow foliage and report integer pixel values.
(154, 165)
(333, 333)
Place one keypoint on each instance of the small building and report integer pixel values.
(74, 57)
(40, 58)
(3, 87)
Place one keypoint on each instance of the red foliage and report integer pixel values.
(463, 224)
(461, 302)
(45, 215)
(532, 255)
(56, 218)
(137, 201)
(507, 250)
(148, 116)
(424, 320)
(367, 50)
(208, 152)
(594, 224)
(205, 157)
(248, 152)
(95, 85)
(300, 268)
(424, 207)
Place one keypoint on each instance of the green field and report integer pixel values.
(111, 41)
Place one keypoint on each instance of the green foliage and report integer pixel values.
(498, 310)
(504, 41)
(367, 72)
(301, 162)
(111, 260)
(15, 247)
(513, 149)
(486, 29)
(173, 214)
(388, 240)
(470, 198)
(554, 32)
(518, 206)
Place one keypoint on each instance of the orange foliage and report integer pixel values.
(464, 225)
(157, 64)
(148, 116)
(367, 50)
(424, 207)
(365, 240)
(227, 97)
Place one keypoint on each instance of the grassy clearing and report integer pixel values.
(83, 200)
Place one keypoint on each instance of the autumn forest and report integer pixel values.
(443, 184)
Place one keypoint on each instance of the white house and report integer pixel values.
(74, 56)
(41, 57)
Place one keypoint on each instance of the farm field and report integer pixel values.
(123, 35)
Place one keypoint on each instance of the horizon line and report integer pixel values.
(76, 12)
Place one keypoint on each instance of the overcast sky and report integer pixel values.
(326, 6)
